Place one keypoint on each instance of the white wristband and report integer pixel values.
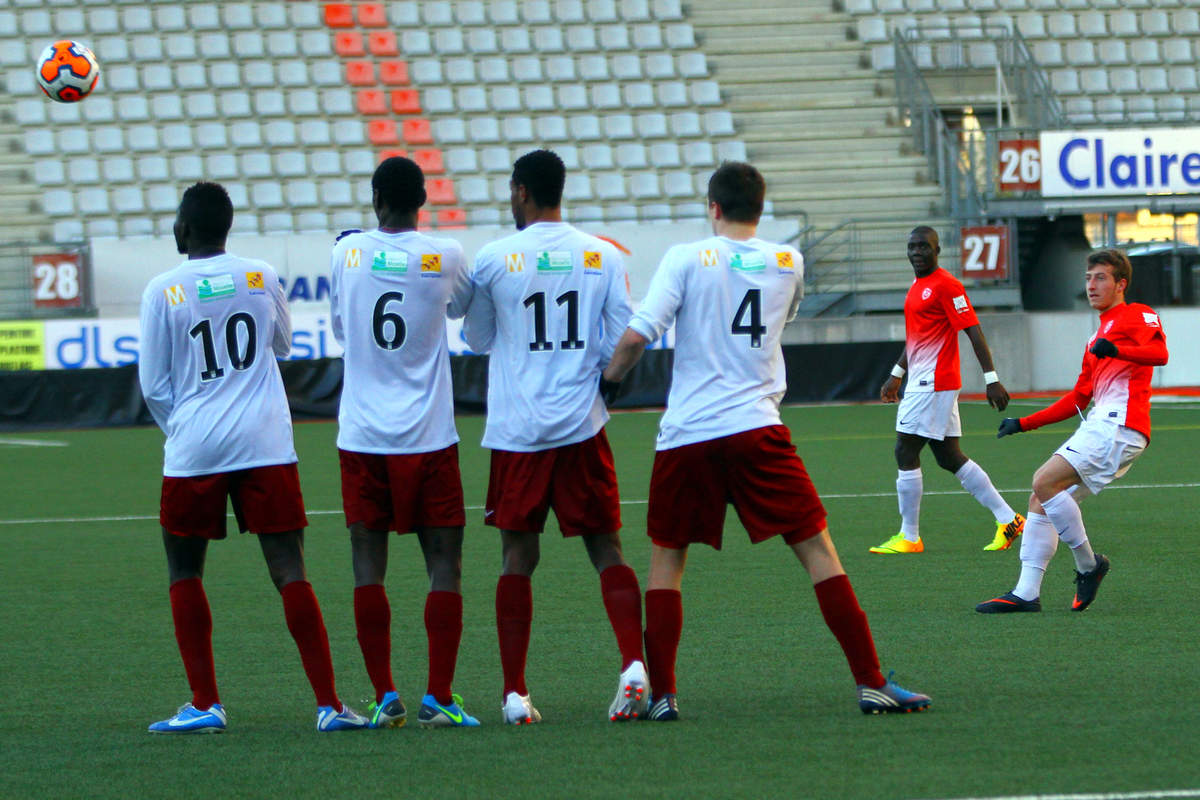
(898, 371)
(991, 377)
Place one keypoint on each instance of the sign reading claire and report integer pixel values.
(1120, 161)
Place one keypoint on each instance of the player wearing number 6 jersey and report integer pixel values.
(721, 439)
(391, 291)
(211, 330)
(550, 303)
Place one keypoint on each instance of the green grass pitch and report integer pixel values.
(1104, 701)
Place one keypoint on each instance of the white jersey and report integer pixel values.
(390, 295)
(729, 300)
(211, 329)
(550, 304)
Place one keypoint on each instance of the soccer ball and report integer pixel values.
(67, 71)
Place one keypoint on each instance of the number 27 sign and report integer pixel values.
(985, 252)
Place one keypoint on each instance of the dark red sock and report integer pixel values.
(514, 616)
(849, 624)
(664, 626)
(373, 621)
(623, 602)
(307, 627)
(193, 632)
(443, 626)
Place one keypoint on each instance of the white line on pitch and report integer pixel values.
(32, 443)
(327, 512)
(1162, 794)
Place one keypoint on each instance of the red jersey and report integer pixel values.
(1119, 387)
(935, 310)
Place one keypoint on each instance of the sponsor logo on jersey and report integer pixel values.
(748, 262)
(175, 296)
(254, 283)
(215, 288)
(1107, 327)
(960, 304)
(515, 262)
(353, 258)
(592, 262)
(431, 265)
(708, 258)
(1150, 319)
(783, 260)
(389, 261)
(926, 293)
(554, 261)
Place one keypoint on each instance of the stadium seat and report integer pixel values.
(315, 132)
(1177, 51)
(437, 12)
(585, 127)
(211, 136)
(552, 128)
(605, 95)
(426, 71)
(517, 129)
(460, 70)
(619, 126)
(391, 152)
(404, 14)
(1114, 52)
(256, 165)
(581, 38)
(417, 131)
(472, 98)
(577, 187)
(451, 218)
(1145, 51)
(1155, 22)
(461, 159)
(439, 100)
(698, 154)
(1171, 108)
(593, 68)
(83, 170)
(872, 29)
(664, 154)
(1110, 109)
(647, 37)
(660, 66)
(505, 98)
(1153, 79)
(632, 155)
(406, 101)
(301, 193)
(548, 40)
(602, 10)
(382, 43)
(248, 45)
(598, 156)
(1123, 23)
(372, 15)
(177, 137)
(672, 94)
(569, 11)
(1065, 81)
(393, 73)
(152, 168)
(449, 41)
(360, 73)
(1185, 22)
(383, 131)
(1094, 81)
(538, 98)
(1032, 25)
(641, 95)
(731, 151)
(474, 190)
(495, 159)
(1081, 52)
(610, 186)
(719, 123)
(667, 10)
(269, 104)
(417, 42)
(450, 130)
(680, 36)
(515, 40)
(482, 40)
(503, 12)
(652, 125)
(187, 168)
(614, 37)
(339, 15)
(643, 185)
(280, 133)
(1061, 26)
(685, 124)
(315, 43)
(325, 162)
(348, 44)
(440, 191)
(1182, 79)
(470, 12)
(626, 66)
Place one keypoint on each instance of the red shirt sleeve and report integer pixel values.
(1074, 402)
(1140, 338)
(956, 304)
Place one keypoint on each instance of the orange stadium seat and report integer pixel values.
(393, 73)
(382, 43)
(406, 101)
(339, 15)
(372, 101)
(451, 218)
(360, 73)
(372, 15)
(392, 153)
(382, 131)
(430, 161)
(348, 43)
(417, 131)
(441, 191)
(424, 217)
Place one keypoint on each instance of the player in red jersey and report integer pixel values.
(935, 310)
(1118, 364)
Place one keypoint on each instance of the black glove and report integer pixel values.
(1103, 348)
(346, 233)
(1009, 426)
(609, 390)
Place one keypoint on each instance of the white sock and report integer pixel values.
(976, 481)
(1038, 543)
(909, 487)
(1063, 511)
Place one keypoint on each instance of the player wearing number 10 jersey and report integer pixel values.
(722, 440)
(391, 291)
(211, 329)
(550, 303)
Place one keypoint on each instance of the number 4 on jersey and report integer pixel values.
(751, 307)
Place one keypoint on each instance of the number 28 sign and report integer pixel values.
(985, 252)
(56, 281)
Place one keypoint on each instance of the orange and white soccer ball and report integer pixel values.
(67, 71)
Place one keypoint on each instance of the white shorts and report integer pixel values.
(933, 415)
(1102, 451)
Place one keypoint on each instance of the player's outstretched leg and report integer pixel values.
(664, 629)
(623, 602)
(1037, 548)
(909, 487)
(440, 707)
(976, 481)
(373, 624)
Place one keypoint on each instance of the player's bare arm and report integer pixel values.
(890, 391)
(628, 353)
(997, 395)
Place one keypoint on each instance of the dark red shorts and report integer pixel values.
(402, 493)
(577, 480)
(757, 471)
(265, 500)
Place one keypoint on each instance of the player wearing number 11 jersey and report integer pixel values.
(211, 330)
(721, 439)
(391, 291)
(550, 303)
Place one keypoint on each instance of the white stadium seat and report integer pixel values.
(325, 162)
(593, 68)
(552, 128)
(585, 127)
(698, 154)
(665, 154)
(632, 155)
(314, 132)
(619, 126)
(598, 156)
(577, 187)
(644, 184)
(581, 38)
(211, 136)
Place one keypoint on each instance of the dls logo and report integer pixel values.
(515, 262)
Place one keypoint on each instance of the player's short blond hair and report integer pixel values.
(1117, 261)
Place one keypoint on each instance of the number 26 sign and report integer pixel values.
(985, 252)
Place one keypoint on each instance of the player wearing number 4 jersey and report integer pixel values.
(1118, 364)
(550, 303)
(935, 310)
(211, 330)
(722, 440)
(391, 291)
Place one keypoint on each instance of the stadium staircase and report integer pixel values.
(820, 123)
(19, 222)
